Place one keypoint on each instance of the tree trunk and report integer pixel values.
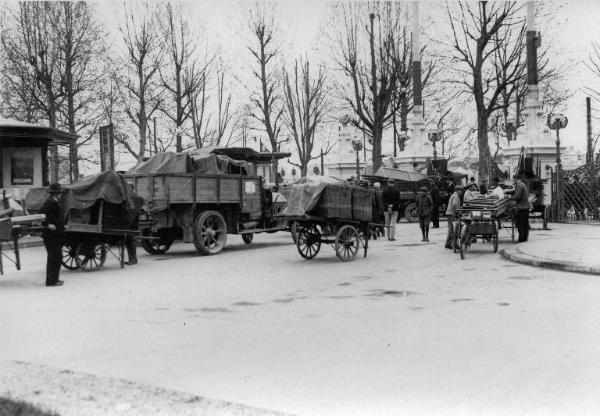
(484, 147)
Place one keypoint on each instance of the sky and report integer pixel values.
(304, 24)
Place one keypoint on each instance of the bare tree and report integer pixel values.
(31, 49)
(80, 48)
(182, 74)
(137, 81)
(267, 102)
(375, 56)
(306, 105)
(478, 32)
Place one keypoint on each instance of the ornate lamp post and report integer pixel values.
(509, 128)
(357, 146)
(434, 136)
(557, 122)
(402, 138)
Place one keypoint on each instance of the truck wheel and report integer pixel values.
(410, 212)
(157, 246)
(210, 233)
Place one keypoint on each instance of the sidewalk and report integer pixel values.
(568, 247)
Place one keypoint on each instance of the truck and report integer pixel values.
(202, 197)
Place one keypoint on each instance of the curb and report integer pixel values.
(518, 257)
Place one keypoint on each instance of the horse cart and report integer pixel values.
(101, 213)
(13, 228)
(201, 198)
(326, 213)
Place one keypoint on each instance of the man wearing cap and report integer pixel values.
(521, 196)
(451, 213)
(53, 234)
(391, 202)
(424, 208)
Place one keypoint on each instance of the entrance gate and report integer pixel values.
(576, 198)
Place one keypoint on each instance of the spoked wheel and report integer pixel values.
(210, 233)
(248, 238)
(308, 241)
(158, 245)
(495, 238)
(89, 256)
(68, 257)
(347, 243)
(465, 243)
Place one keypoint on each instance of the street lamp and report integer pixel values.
(509, 127)
(556, 122)
(434, 135)
(402, 138)
(357, 146)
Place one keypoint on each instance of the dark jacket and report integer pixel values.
(379, 207)
(51, 209)
(435, 195)
(521, 195)
(391, 196)
(424, 205)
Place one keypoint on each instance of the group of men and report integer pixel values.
(520, 195)
(428, 203)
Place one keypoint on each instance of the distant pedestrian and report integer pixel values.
(424, 209)
(391, 202)
(378, 210)
(471, 192)
(483, 188)
(53, 234)
(521, 196)
(452, 215)
(472, 182)
(435, 197)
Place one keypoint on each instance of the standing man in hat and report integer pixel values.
(391, 202)
(435, 197)
(451, 213)
(424, 208)
(521, 196)
(53, 235)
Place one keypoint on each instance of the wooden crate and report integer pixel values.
(335, 202)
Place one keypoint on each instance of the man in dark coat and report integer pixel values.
(435, 197)
(391, 202)
(521, 196)
(53, 234)
(424, 210)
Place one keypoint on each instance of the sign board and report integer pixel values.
(21, 167)
(107, 148)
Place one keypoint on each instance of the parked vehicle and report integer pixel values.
(201, 198)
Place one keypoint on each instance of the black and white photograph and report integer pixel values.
(299, 207)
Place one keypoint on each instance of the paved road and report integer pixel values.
(412, 329)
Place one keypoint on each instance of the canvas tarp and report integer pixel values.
(168, 162)
(303, 198)
(107, 186)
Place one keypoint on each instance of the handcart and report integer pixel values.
(474, 224)
(93, 233)
(13, 228)
(346, 236)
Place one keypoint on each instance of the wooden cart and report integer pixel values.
(477, 225)
(346, 236)
(93, 233)
(13, 228)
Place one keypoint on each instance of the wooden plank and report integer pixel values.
(230, 190)
(207, 190)
(181, 189)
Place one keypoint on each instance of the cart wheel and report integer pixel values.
(90, 256)
(308, 241)
(465, 243)
(248, 238)
(347, 243)
(210, 233)
(410, 212)
(495, 238)
(157, 245)
(68, 257)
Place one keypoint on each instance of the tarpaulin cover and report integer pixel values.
(164, 163)
(108, 186)
(192, 163)
(303, 198)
